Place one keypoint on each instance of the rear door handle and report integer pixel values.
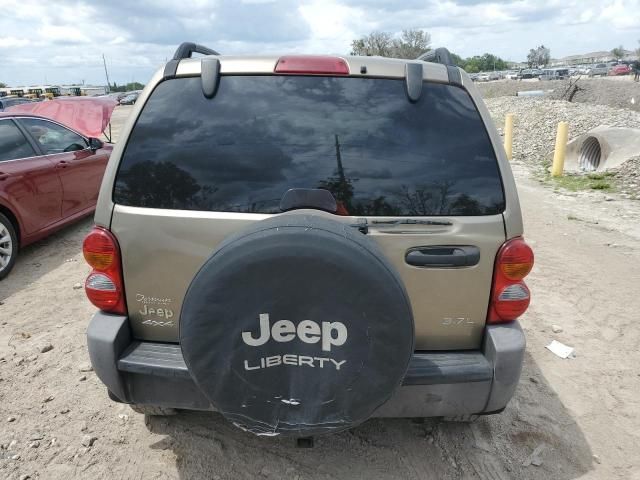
(443, 256)
(4, 176)
(62, 164)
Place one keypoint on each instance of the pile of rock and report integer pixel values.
(628, 178)
(536, 121)
(613, 92)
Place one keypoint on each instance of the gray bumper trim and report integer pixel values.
(107, 337)
(504, 347)
(165, 360)
(160, 359)
(437, 383)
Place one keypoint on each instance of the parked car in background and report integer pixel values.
(511, 75)
(601, 69)
(129, 99)
(6, 102)
(483, 77)
(50, 176)
(526, 74)
(621, 69)
(554, 74)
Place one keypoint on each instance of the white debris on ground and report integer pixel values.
(560, 349)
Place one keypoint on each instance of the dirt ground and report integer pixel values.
(573, 418)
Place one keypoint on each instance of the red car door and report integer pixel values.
(29, 184)
(80, 168)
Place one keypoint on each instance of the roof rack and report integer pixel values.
(439, 55)
(186, 49)
(443, 56)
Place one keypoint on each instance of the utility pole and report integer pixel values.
(106, 73)
(343, 180)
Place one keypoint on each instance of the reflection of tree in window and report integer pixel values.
(378, 207)
(160, 185)
(343, 191)
(432, 199)
(465, 205)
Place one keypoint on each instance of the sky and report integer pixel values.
(63, 41)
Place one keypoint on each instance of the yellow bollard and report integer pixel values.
(561, 148)
(508, 135)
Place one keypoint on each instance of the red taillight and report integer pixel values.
(104, 285)
(311, 65)
(510, 296)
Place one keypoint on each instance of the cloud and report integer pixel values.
(11, 42)
(66, 44)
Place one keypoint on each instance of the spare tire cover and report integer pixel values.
(297, 325)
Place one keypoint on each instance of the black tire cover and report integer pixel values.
(341, 327)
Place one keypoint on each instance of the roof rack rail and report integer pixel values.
(186, 49)
(439, 55)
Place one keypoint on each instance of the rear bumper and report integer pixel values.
(436, 384)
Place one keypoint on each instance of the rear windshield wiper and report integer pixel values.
(411, 221)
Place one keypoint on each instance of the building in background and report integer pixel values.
(53, 91)
(592, 57)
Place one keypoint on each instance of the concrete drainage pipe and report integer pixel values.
(602, 148)
(590, 155)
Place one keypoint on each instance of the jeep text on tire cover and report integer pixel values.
(307, 331)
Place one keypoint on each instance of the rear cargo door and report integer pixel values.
(422, 178)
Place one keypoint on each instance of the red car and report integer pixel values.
(50, 176)
(621, 69)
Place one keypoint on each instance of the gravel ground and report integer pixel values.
(628, 178)
(618, 92)
(536, 121)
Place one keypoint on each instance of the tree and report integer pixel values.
(618, 52)
(127, 88)
(459, 61)
(483, 63)
(3, 85)
(376, 43)
(411, 44)
(539, 57)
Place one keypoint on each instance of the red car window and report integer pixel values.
(54, 138)
(13, 143)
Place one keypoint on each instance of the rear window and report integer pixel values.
(361, 139)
